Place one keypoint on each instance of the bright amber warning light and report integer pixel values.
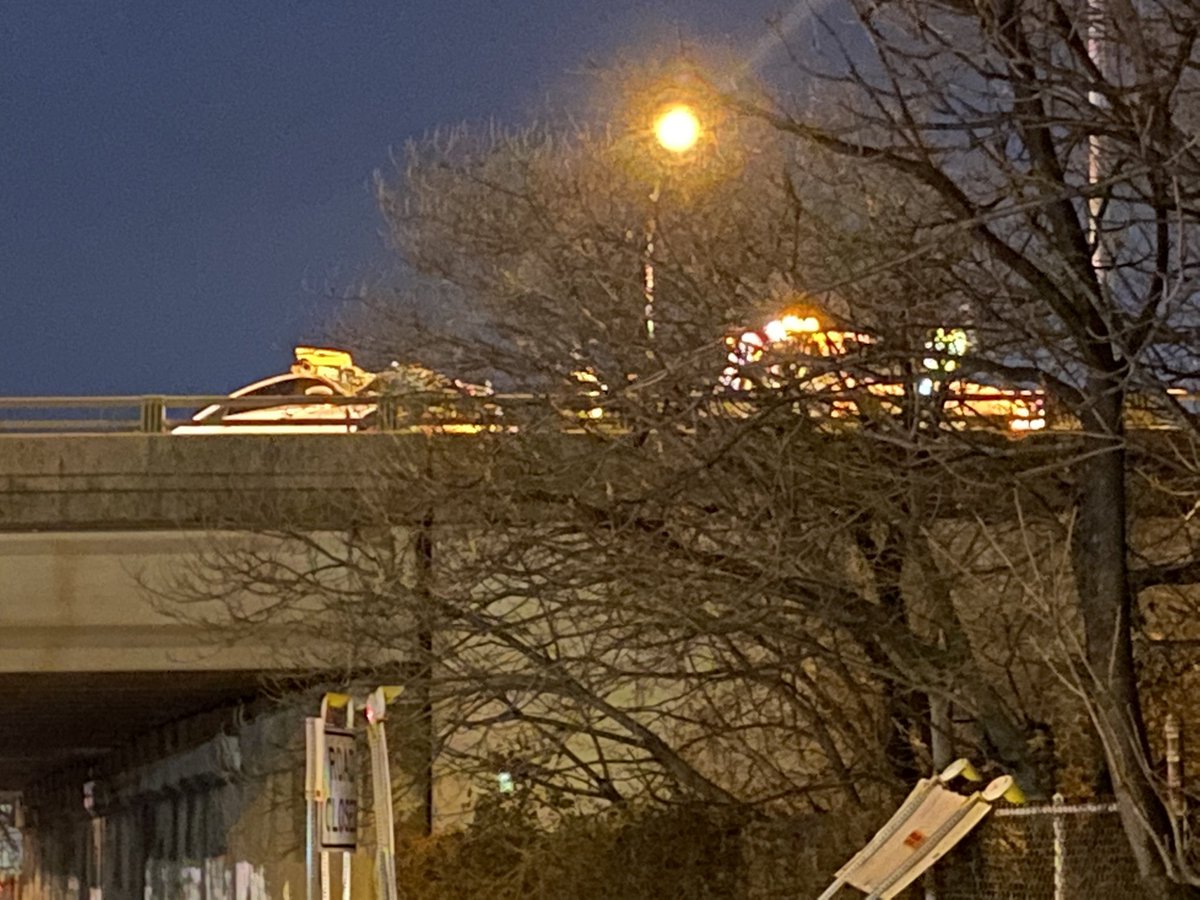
(677, 129)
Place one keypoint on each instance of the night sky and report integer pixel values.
(183, 184)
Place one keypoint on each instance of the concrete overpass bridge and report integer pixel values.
(97, 683)
(85, 519)
(97, 495)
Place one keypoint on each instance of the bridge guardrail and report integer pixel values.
(159, 414)
(145, 414)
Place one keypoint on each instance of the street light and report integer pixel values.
(677, 129)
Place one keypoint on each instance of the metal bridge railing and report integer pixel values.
(425, 411)
(150, 414)
(160, 414)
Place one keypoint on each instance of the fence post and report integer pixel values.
(1060, 850)
(1176, 803)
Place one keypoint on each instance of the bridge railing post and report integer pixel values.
(386, 407)
(153, 415)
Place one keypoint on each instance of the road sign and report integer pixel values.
(331, 785)
(339, 817)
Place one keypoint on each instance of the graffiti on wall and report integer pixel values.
(213, 879)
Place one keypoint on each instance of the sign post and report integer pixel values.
(314, 753)
(331, 794)
(381, 787)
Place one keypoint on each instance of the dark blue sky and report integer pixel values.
(183, 183)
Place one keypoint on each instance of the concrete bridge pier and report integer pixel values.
(214, 820)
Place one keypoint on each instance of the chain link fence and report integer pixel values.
(1057, 851)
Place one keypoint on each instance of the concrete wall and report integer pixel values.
(75, 602)
(72, 482)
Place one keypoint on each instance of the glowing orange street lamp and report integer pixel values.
(677, 128)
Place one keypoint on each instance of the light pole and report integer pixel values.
(677, 129)
(1097, 100)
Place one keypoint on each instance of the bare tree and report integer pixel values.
(701, 590)
(1057, 140)
(689, 565)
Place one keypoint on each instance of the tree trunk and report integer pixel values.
(1106, 605)
(905, 722)
(423, 546)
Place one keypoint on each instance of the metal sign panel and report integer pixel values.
(339, 815)
(930, 822)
